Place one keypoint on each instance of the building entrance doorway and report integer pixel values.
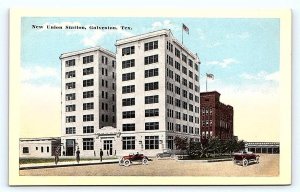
(70, 147)
(108, 147)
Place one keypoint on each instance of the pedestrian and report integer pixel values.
(101, 155)
(56, 156)
(78, 155)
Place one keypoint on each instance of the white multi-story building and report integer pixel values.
(157, 92)
(88, 102)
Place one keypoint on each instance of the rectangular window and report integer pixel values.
(184, 81)
(170, 142)
(196, 78)
(177, 103)
(151, 45)
(177, 78)
(151, 86)
(152, 126)
(184, 70)
(191, 85)
(70, 119)
(128, 101)
(128, 89)
(190, 63)
(191, 118)
(104, 60)
(71, 96)
(151, 99)
(196, 98)
(151, 112)
(128, 114)
(177, 115)
(184, 93)
(184, 58)
(178, 127)
(88, 106)
(170, 60)
(151, 72)
(184, 117)
(170, 46)
(191, 107)
(128, 63)
(184, 129)
(177, 65)
(128, 76)
(70, 63)
(25, 150)
(89, 117)
(197, 131)
(128, 50)
(88, 143)
(88, 129)
(184, 104)
(70, 130)
(151, 59)
(88, 71)
(190, 74)
(70, 74)
(128, 143)
(88, 94)
(151, 142)
(70, 108)
(70, 85)
(128, 127)
(87, 83)
(177, 53)
(88, 59)
(197, 88)
(113, 63)
(196, 67)
(191, 130)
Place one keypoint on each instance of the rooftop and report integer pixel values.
(91, 49)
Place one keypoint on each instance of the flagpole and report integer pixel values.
(206, 83)
(182, 34)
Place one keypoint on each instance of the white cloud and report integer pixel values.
(243, 35)
(38, 72)
(164, 24)
(262, 75)
(224, 63)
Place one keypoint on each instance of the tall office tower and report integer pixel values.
(88, 97)
(157, 92)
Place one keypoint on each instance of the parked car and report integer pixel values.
(167, 153)
(244, 158)
(127, 160)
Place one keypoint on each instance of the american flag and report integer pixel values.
(184, 27)
(210, 75)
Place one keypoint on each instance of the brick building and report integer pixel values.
(216, 117)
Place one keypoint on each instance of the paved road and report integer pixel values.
(268, 166)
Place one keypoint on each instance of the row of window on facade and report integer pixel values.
(183, 128)
(207, 111)
(87, 83)
(183, 104)
(89, 94)
(26, 150)
(87, 71)
(89, 117)
(89, 106)
(183, 116)
(89, 59)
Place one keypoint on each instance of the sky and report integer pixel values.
(242, 54)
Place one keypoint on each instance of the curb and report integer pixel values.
(204, 161)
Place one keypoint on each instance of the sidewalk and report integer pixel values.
(66, 164)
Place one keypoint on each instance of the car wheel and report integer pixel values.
(257, 160)
(121, 161)
(245, 162)
(145, 161)
(158, 156)
(127, 163)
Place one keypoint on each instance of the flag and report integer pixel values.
(210, 75)
(185, 28)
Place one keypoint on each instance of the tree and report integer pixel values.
(181, 143)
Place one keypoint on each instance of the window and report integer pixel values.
(177, 78)
(128, 63)
(151, 86)
(151, 99)
(184, 129)
(70, 119)
(151, 72)
(178, 127)
(177, 115)
(151, 45)
(184, 58)
(25, 149)
(88, 94)
(177, 53)
(70, 130)
(70, 74)
(191, 96)
(70, 85)
(70, 63)
(197, 131)
(87, 83)
(70, 108)
(170, 126)
(128, 127)
(128, 114)
(184, 93)
(89, 117)
(177, 103)
(88, 143)
(184, 117)
(87, 106)
(47, 149)
(191, 118)
(191, 130)
(128, 76)
(191, 107)
(196, 98)
(190, 74)
(170, 73)
(128, 102)
(184, 70)
(128, 89)
(151, 112)
(184, 81)
(104, 60)
(152, 126)
(170, 46)
(70, 96)
(113, 63)
(151, 142)
(88, 129)
(88, 71)
(191, 86)
(190, 63)
(42, 149)
(128, 143)
(196, 109)
(170, 142)
(196, 67)
(196, 77)
(177, 65)
(170, 60)
(151, 59)
(184, 104)
(128, 50)
(177, 90)
(197, 89)
(88, 59)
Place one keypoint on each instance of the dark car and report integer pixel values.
(127, 160)
(167, 153)
(244, 158)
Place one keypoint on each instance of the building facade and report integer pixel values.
(157, 93)
(263, 147)
(88, 100)
(216, 117)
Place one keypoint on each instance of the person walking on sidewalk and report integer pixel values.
(78, 155)
(56, 156)
(101, 155)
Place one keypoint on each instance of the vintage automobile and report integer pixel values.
(244, 158)
(127, 160)
(167, 153)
